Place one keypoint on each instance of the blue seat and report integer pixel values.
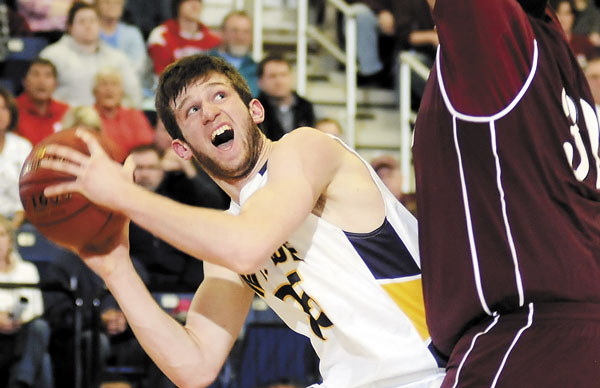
(33, 246)
(21, 51)
(25, 48)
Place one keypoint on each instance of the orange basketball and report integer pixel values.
(69, 220)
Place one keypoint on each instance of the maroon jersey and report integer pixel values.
(506, 158)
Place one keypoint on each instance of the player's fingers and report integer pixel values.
(61, 188)
(92, 142)
(61, 152)
(129, 166)
(61, 165)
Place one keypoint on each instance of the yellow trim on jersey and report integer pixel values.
(409, 297)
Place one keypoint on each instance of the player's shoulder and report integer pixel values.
(306, 140)
(306, 149)
(306, 134)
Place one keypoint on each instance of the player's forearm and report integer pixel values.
(171, 346)
(233, 242)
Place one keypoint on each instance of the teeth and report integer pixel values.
(220, 131)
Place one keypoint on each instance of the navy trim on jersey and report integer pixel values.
(384, 253)
(263, 169)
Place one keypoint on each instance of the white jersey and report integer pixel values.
(357, 297)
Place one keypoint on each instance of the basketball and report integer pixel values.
(69, 220)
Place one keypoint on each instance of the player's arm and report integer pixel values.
(300, 168)
(190, 356)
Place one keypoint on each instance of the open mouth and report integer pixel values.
(223, 136)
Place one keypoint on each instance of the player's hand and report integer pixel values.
(98, 177)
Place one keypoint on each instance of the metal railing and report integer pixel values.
(408, 63)
(348, 57)
(306, 31)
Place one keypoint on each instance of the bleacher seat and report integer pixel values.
(33, 246)
(21, 51)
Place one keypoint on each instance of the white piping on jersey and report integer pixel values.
(483, 119)
(462, 362)
(503, 112)
(472, 246)
(512, 345)
(399, 280)
(509, 237)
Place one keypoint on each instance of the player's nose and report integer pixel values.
(209, 113)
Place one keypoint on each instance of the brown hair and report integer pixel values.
(260, 69)
(43, 62)
(76, 7)
(181, 74)
(11, 104)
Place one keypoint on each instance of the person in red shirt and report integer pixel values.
(580, 44)
(182, 36)
(39, 114)
(127, 128)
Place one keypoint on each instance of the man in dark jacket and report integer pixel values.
(285, 110)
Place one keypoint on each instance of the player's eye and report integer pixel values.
(192, 110)
(220, 96)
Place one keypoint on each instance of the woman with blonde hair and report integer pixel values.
(24, 336)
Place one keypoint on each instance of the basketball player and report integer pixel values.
(311, 229)
(507, 168)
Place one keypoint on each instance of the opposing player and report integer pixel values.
(506, 154)
(311, 229)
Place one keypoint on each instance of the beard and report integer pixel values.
(534, 7)
(252, 145)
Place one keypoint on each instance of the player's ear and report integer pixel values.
(182, 149)
(257, 111)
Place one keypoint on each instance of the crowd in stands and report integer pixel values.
(101, 59)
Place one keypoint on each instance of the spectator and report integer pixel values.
(24, 335)
(580, 44)
(39, 114)
(592, 73)
(124, 37)
(45, 18)
(88, 118)
(181, 272)
(80, 53)
(587, 20)
(14, 149)
(330, 126)
(237, 45)
(415, 32)
(285, 110)
(16, 23)
(147, 14)
(415, 29)
(181, 36)
(375, 23)
(206, 191)
(126, 127)
(388, 169)
(60, 316)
